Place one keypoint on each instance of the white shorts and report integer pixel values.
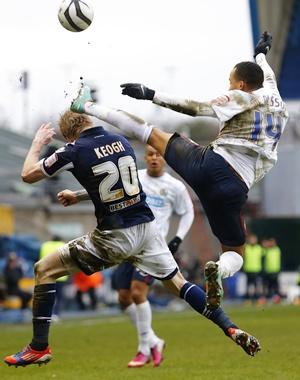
(142, 245)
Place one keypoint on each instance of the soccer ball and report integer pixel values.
(75, 15)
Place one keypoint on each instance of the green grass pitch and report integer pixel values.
(99, 349)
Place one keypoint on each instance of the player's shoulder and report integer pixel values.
(66, 149)
(142, 173)
(173, 182)
(241, 96)
(231, 97)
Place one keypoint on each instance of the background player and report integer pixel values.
(104, 164)
(252, 116)
(165, 195)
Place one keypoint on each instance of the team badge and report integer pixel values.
(51, 160)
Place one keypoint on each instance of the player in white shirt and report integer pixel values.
(252, 118)
(165, 195)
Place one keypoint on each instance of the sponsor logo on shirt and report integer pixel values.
(124, 204)
(154, 201)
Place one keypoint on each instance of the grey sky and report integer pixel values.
(181, 47)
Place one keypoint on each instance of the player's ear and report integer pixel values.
(242, 85)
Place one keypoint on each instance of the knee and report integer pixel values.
(40, 271)
(138, 296)
(238, 249)
(125, 299)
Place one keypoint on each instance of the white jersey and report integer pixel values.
(165, 195)
(252, 124)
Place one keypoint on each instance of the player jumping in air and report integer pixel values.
(165, 195)
(104, 164)
(252, 116)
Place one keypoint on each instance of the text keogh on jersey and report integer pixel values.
(104, 151)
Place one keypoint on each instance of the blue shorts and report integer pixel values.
(125, 273)
(221, 191)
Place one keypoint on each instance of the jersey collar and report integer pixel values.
(92, 131)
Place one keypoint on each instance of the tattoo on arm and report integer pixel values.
(82, 195)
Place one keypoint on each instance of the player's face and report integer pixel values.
(155, 162)
(252, 239)
(234, 83)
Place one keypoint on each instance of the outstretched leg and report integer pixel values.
(196, 297)
(130, 125)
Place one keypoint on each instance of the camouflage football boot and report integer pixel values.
(213, 285)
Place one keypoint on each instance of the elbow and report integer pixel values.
(27, 178)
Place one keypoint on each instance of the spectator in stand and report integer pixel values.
(87, 284)
(13, 273)
(272, 268)
(253, 267)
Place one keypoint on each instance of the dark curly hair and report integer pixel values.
(251, 73)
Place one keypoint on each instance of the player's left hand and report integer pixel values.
(264, 44)
(137, 91)
(67, 198)
(174, 244)
(44, 134)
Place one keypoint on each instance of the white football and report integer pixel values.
(75, 15)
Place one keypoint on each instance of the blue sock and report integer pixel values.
(43, 301)
(196, 297)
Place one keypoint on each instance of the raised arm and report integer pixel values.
(261, 49)
(186, 106)
(32, 171)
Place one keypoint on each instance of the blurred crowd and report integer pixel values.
(262, 266)
(79, 292)
(74, 293)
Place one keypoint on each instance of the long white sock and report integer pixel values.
(130, 125)
(131, 311)
(229, 263)
(146, 335)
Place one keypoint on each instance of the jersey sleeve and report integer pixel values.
(186, 106)
(184, 208)
(233, 103)
(269, 76)
(61, 159)
(183, 201)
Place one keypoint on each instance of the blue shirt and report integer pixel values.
(105, 165)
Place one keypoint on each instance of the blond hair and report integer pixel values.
(72, 123)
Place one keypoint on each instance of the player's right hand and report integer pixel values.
(264, 44)
(44, 134)
(137, 91)
(67, 198)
